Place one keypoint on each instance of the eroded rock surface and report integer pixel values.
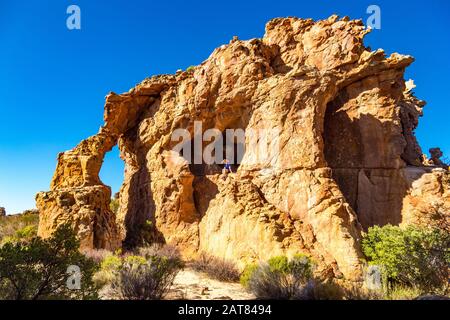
(347, 156)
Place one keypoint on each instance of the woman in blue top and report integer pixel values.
(227, 167)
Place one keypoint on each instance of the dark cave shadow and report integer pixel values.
(366, 164)
(140, 220)
(205, 190)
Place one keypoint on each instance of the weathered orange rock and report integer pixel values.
(346, 150)
(436, 155)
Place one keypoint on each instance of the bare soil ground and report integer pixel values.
(192, 285)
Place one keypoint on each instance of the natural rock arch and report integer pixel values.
(290, 202)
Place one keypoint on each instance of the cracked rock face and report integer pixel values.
(347, 156)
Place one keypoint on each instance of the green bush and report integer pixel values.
(412, 257)
(281, 278)
(144, 276)
(279, 264)
(190, 69)
(16, 226)
(247, 273)
(38, 269)
(25, 234)
(110, 265)
(135, 260)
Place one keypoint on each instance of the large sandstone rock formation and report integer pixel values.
(347, 156)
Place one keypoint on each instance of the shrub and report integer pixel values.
(279, 264)
(25, 234)
(216, 268)
(109, 267)
(190, 69)
(146, 234)
(111, 263)
(134, 260)
(14, 225)
(413, 257)
(398, 292)
(98, 255)
(247, 274)
(163, 250)
(141, 279)
(38, 269)
(281, 278)
(328, 290)
(144, 276)
(114, 205)
(301, 266)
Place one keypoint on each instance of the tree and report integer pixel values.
(37, 269)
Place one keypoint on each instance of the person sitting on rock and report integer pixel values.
(227, 167)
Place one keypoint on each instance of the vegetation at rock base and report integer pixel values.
(247, 274)
(147, 275)
(146, 279)
(168, 251)
(98, 255)
(216, 268)
(414, 262)
(19, 226)
(281, 278)
(38, 268)
(147, 232)
(412, 257)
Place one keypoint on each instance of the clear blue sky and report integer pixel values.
(53, 81)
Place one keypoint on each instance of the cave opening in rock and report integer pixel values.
(111, 174)
(233, 147)
(230, 145)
